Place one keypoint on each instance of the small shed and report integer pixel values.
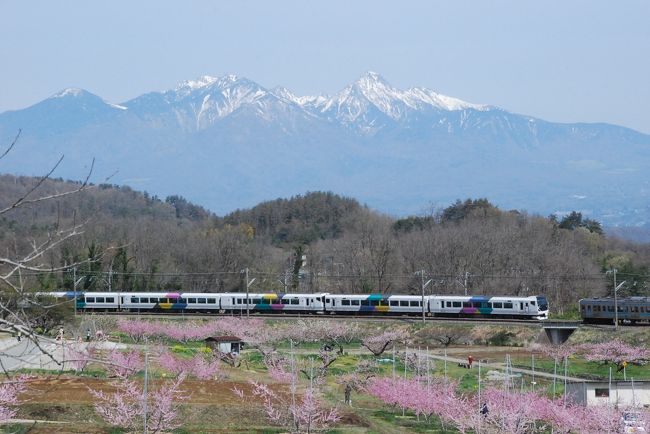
(621, 393)
(224, 344)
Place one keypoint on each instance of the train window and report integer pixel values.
(467, 304)
(257, 301)
(110, 300)
(394, 303)
(476, 304)
(449, 304)
(497, 305)
(533, 303)
(90, 299)
(374, 302)
(100, 299)
(182, 300)
(355, 302)
(265, 301)
(365, 302)
(212, 301)
(345, 302)
(163, 300)
(456, 304)
(610, 308)
(507, 305)
(284, 301)
(415, 303)
(133, 300)
(404, 303)
(295, 301)
(201, 300)
(191, 300)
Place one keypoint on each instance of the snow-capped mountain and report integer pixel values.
(228, 142)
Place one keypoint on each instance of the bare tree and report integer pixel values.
(17, 302)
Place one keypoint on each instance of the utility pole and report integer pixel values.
(74, 288)
(616, 288)
(144, 391)
(75, 282)
(424, 285)
(465, 281)
(248, 285)
(615, 302)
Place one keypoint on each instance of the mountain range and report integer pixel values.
(228, 142)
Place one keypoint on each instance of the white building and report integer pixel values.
(621, 393)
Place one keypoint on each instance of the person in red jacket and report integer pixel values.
(470, 360)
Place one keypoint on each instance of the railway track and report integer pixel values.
(369, 318)
(360, 318)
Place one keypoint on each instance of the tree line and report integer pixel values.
(314, 242)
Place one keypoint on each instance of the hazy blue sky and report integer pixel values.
(561, 60)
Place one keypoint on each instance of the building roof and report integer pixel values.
(614, 382)
(222, 339)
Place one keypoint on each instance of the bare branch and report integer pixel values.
(11, 146)
(24, 201)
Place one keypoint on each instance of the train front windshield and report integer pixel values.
(542, 303)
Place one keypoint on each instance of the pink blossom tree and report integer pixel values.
(510, 412)
(123, 363)
(557, 352)
(279, 368)
(305, 413)
(254, 332)
(329, 333)
(616, 351)
(9, 391)
(358, 379)
(196, 366)
(77, 355)
(125, 408)
(378, 343)
(138, 330)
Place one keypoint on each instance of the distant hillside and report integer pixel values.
(300, 219)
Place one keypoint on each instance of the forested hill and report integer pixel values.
(300, 219)
(103, 201)
(313, 242)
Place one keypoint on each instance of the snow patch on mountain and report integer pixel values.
(71, 91)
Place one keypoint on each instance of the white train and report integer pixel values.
(532, 307)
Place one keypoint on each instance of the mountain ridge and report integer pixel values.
(228, 142)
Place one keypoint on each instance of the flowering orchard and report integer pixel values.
(310, 375)
(497, 411)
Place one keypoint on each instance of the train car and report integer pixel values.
(199, 302)
(97, 301)
(151, 301)
(271, 302)
(601, 310)
(373, 304)
(534, 307)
